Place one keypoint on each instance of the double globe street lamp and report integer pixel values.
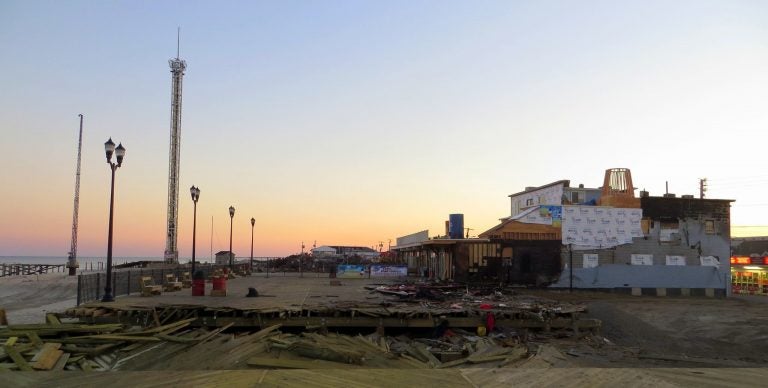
(195, 191)
(253, 222)
(119, 152)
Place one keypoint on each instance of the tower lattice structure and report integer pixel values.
(178, 66)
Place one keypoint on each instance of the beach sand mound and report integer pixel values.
(27, 298)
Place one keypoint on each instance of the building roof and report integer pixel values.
(750, 247)
(440, 241)
(219, 253)
(564, 182)
(679, 207)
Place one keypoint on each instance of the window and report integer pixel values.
(575, 197)
(709, 226)
(529, 202)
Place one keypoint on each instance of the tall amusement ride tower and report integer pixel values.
(177, 70)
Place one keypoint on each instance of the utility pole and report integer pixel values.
(72, 259)
(702, 187)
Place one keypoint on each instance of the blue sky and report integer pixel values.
(354, 122)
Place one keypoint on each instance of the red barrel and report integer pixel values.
(198, 287)
(219, 282)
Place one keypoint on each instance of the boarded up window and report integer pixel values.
(645, 225)
(670, 231)
(709, 226)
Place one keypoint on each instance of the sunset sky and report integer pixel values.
(355, 122)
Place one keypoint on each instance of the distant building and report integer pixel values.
(608, 238)
(222, 257)
(555, 193)
(749, 265)
(342, 251)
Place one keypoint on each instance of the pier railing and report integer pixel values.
(90, 287)
(29, 269)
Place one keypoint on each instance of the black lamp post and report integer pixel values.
(301, 261)
(253, 222)
(119, 152)
(195, 191)
(231, 259)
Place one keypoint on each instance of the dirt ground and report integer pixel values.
(670, 332)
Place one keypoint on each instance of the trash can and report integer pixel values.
(198, 284)
(219, 285)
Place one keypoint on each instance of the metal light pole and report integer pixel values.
(231, 259)
(301, 261)
(109, 148)
(253, 222)
(195, 191)
(570, 267)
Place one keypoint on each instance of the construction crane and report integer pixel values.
(468, 229)
(177, 70)
(72, 257)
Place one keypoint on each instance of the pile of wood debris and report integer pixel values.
(178, 346)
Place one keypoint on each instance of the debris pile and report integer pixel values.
(177, 346)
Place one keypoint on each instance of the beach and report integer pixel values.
(27, 298)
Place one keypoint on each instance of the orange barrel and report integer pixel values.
(198, 287)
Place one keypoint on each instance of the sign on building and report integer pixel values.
(590, 260)
(709, 261)
(641, 259)
(675, 260)
(388, 271)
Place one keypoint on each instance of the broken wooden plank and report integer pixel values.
(293, 364)
(35, 339)
(120, 337)
(264, 332)
(327, 352)
(85, 365)
(431, 359)
(20, 362)
(61, 362)
(52, 319)
(47, 357)
(210, 335)
(91, 351)
(177, 339)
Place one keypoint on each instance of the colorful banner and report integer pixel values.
(388, 271)
(350, 271)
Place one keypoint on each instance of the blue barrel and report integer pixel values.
(456, 225)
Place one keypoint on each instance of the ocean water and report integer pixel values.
(85, 262)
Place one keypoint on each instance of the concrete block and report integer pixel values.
(637, 291)
(661, 291)
(685, 292)
(709, 292)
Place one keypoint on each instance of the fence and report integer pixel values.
(90, 287)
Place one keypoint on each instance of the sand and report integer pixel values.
(27, 298)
